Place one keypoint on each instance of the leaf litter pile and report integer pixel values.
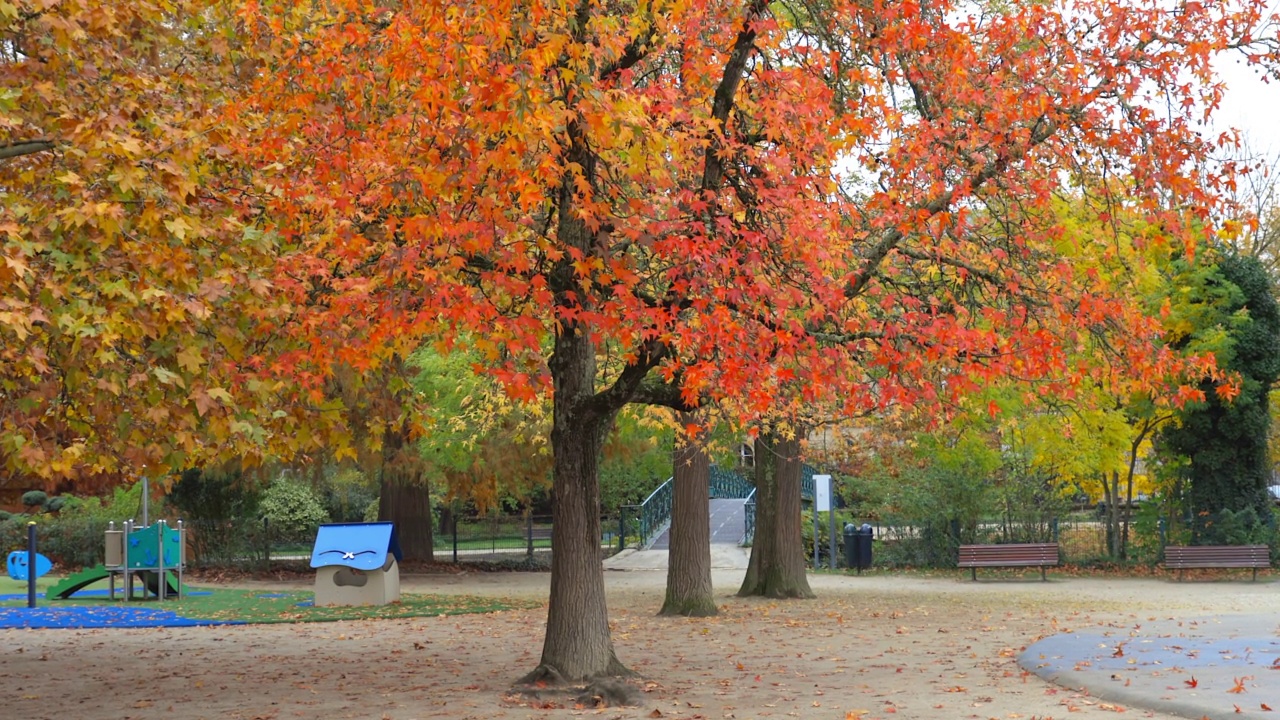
(866, 649)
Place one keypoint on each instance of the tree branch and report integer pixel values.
(893, 236)
(24, 147)
(663, 394)
(722, 103)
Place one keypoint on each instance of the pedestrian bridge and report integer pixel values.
(732, 508)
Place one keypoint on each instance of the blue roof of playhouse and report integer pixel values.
(363, 546)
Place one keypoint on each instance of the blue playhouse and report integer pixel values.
(356, 564)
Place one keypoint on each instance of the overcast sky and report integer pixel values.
(1251, 105)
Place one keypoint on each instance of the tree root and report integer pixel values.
(546, 686)
(542, 676)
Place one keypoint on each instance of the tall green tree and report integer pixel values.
(1224, 438)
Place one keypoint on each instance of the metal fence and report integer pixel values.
(515, 536)
(255, 543)
(1082, 540)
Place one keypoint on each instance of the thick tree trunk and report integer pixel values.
(405, 495)
(577, 645)
(689, 591)
(776, 568)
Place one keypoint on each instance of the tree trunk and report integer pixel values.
(776, 568)
(577, 645)
(1111, 491)
(689, 591)
(405, 495)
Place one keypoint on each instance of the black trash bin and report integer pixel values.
(857, 546)
(850, 551)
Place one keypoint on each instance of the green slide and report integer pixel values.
(72, 583)
(170, 583)
(88, 576)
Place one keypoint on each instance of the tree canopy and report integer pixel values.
(216, 209)
(671, 202)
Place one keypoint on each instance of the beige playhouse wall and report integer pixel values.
(335, 585)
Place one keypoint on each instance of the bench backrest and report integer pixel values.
(1217, 556)
(1019, 553)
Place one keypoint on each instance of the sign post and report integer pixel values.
(831, 517)
(822, 503)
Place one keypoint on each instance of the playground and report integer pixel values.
(880, 645)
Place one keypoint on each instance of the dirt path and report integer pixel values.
(878, 646)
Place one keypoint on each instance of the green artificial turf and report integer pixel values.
(268, 606)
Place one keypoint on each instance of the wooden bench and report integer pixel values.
(1039, 555)
(1182, 557)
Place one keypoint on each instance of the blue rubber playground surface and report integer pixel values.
(98, 617)
(81, 616)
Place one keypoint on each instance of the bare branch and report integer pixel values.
(25, 147)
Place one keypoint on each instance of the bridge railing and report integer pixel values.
(727, 484)
(749, 509)
(655, 511)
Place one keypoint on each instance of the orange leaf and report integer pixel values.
(1239, 686)
(1266, 707)
(1192, 682)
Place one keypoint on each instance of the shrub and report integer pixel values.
(73, 542)
(214, 495)
(292, 508)
(13, 533)
(35, 498)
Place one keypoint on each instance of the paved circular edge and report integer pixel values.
(1222, 667)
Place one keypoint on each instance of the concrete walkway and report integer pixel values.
(723, 557)
(728, 524)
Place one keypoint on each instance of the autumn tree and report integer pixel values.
(677, 202)
(129, 293)
(381, 411)
(478, 444)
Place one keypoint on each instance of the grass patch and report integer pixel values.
(266, 606)
(9, 586)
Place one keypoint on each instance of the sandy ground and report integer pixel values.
(872, 646)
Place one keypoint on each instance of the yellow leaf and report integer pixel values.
(190, 359)
(179, 227)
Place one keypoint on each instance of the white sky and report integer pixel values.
(1250, 104)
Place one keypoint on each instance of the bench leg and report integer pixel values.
(1042, 575)
(973, 573)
